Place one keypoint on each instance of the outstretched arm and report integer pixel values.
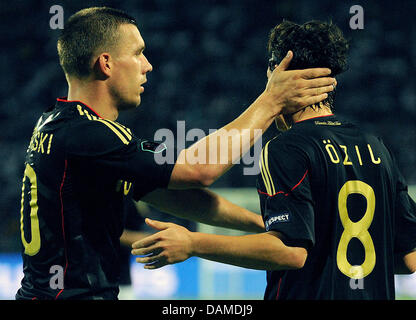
(205, 206)
(174, 243)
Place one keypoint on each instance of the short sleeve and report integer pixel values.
(288, 204)
(108, 147)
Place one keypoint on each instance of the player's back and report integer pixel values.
(349, 182)
(359, 189)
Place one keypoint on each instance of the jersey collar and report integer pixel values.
(65, 101)
(313, 118)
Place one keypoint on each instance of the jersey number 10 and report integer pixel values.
(357, 230)
(32, 247)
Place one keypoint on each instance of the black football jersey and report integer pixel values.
(79, 169)
(335, 190)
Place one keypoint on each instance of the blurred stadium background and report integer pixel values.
(209, 63)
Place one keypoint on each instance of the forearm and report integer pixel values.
(205, 206)
(174, 243)
(262, 251)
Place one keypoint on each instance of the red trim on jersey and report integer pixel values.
(64, 99)
(286, 194)
(63, 225)
(278, 289)
(297, 185)
(270, 195)
(59, 294)
(327, 115)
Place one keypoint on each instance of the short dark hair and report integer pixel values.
(85, 32)
(314, 44)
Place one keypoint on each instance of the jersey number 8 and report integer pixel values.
(357, 230)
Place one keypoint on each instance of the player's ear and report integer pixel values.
(102, 66)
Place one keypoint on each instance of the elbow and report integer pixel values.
(406, 264)
(294, 259)
(200, 178)
(204, 174)
(300, 258)
(193, 175)
(289, 258)
(410, 262)
(206, 180)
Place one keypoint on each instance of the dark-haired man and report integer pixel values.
(81, 163)
(339, 221)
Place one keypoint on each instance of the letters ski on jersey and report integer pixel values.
(336, 191)
(79, 168)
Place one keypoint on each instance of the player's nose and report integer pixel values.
(147, 65)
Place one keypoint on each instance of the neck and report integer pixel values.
(312, 112)
(94, 94)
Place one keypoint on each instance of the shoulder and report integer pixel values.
(286, 144)
(285, 157)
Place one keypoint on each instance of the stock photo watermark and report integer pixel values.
(357, 281)
(357, 20)
(57, 279)
(224, 146)
(57, 19)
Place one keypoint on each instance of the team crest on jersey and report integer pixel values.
(277, 218)
(153, 147)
